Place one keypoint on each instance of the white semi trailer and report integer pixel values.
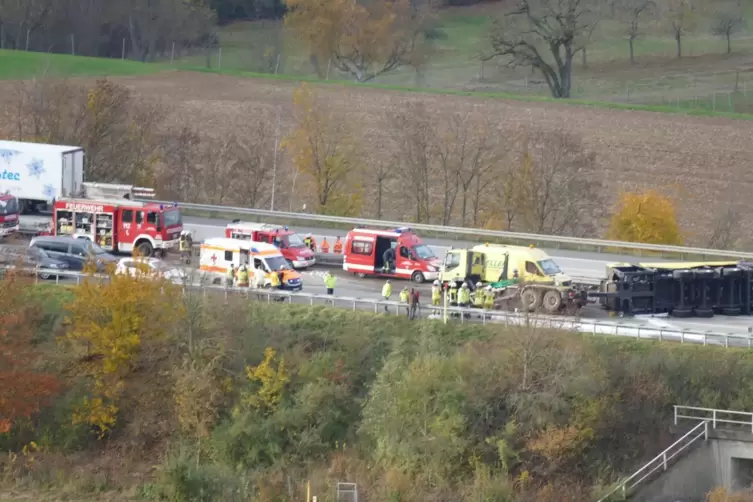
(37, 174)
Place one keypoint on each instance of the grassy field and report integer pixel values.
(700, 81)
(23, 65)
(656, 78)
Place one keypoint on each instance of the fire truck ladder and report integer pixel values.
(110, 191)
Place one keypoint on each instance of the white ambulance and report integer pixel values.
(217, 254)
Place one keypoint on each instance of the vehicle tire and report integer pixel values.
(163, 253)
(731, 311)
(418, 277)
(44, 276)
(682, 274)
(704, 313)
(552, 301)
(530, 299)
(145, 249)
(731, 272)
(682, 313)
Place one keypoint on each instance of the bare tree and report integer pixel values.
(253, 151)
(412, 134)
(555, 185)
(633, 11)
(681, 18)
(468, 149)
(729, 20)
(535, 32)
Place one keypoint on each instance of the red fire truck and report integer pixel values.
(109, 216)
(288, 242)
(8, 214)
(411, 259)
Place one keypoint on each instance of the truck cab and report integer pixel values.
(9, 212)
(217, 254)
(364, 251)
(288, 242)
(493, 263)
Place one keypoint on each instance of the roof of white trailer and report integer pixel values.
(39, 147)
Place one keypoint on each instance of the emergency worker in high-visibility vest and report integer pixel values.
(338, 247)
(489, 298)
(242, 276)
(386, 292)
(274, 279)
(464, 296)
(229, 276)
(307, 241)
(329, 283)
(436, 293)
(404, 295)
(453, 292)
(183, 247)
(325, 246)
(479, 296)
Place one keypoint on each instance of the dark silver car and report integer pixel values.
(36, 258)
(75, 252)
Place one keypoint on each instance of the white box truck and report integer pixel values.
(37, 173)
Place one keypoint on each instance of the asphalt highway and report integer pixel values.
(577, 264)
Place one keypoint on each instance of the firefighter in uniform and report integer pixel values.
(479, 296)
(307, 241)
(184, 249)
(338, 248)
(436, 293)
(453, 293)
(325, 246)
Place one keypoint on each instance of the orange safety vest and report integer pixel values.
(338, 246)
(325, 246)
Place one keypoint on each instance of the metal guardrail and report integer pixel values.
(715, 416)
(660, 462)
(599, 244)
(585, 326)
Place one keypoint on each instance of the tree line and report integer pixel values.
(208, 398)
(427, 166)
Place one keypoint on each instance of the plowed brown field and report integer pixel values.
(706, 160)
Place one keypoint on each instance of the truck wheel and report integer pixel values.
(552, 301)
(530, 299)
(145, 249)
(418, 277)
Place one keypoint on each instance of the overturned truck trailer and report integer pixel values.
(679, 289)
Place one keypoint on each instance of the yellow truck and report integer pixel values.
(539, 283)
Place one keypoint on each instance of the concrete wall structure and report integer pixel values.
(725, 459)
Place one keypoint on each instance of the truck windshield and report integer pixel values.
(171, 217)
(9, 206)
(276, 262)
(293, 241)
(549, 267)
(423, 251)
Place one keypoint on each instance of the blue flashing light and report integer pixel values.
(286, 228)
(254, 250)
(161, 206)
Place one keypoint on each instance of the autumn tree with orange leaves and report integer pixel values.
(23, 389)
(361, 40)
(113, 324)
